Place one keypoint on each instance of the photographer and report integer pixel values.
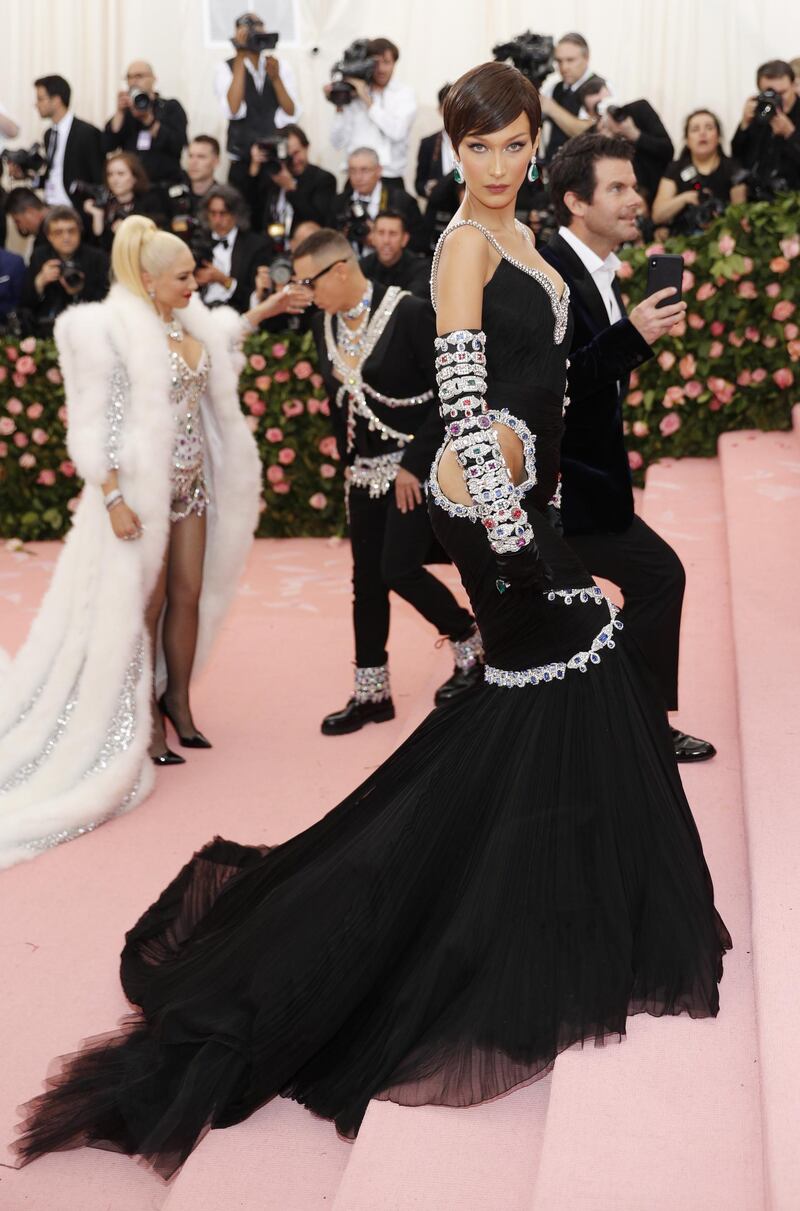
(227, 265)
(365, 195)
(12, 276)
(286, 188)
(391, 263)
(635, 121)
(257, 93)
(435, 159)
(27, 211)
(380, 114)
(63, 272)
(561, 102)
(128, 191)
(72, 147)
(700, 184)
(152, 126)
(767, 142)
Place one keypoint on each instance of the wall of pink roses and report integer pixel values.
(734, 363)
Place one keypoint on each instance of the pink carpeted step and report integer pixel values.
(670, 1118)
(761, 474)
(796, 425)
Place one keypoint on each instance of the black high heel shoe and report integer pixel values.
(197, 740)
(168, 758)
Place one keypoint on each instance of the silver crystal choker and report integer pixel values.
(360, 307)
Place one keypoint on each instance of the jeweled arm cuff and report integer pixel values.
(461, 379)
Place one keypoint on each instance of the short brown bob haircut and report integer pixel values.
(486, 99)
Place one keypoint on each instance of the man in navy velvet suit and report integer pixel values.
(594, 194)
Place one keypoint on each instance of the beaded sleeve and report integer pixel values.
(114, 413)
(461, 379)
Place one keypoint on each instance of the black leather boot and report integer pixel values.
(371, 703)
(468, 673)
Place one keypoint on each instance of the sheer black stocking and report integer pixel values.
(187, 546)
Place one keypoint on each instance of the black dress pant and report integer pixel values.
(652, 581)
(389, 548)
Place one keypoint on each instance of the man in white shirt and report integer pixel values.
(257, 95)
(237, 252)
(366, 194)
(72, 147)
(380, 115)
(561, 102)
(594, 194)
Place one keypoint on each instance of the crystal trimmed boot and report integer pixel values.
(371, 703)
(468, 673)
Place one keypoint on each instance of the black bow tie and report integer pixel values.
(222, 242)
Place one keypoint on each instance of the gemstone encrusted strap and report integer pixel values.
(518, 678)
(461, 378)
(372, 684)
(467, 652)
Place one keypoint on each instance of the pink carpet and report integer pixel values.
(670, 1119)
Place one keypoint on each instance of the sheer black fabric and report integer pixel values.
(521, 875)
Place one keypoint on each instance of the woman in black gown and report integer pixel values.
(518, 877)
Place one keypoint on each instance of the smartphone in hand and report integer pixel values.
(664, 269)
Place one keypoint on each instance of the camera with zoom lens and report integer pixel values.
(200, 243)
(30, 160)
(142, 102)
(696, 218)
(258, 39)
(71, 274)
(532, 54)
(768, 104)
(86, 191)
(277, 153)
(357, 63)
(608, 106)
(179, 203)
(280, 270)
(356, 226)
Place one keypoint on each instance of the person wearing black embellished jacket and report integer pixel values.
(375, 348)
(518, 877)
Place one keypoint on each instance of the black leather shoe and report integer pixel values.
(196, 740)
(353, 717)
(462, 682)
(168, 758)
(689, 748)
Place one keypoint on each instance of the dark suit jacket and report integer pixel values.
(757, 147)
(429, 162)
(312, 200)
(12, 275)
(249, 251)
(38, 309)
(162, 162)
(400, 365)
(392, 198)
(83, 155)
(412, 272)
(596, 479)
(654, 148)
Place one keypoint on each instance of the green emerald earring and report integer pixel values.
(458, 175)
(533, 171)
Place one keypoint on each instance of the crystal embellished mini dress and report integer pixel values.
(189, 492)
(522, 874)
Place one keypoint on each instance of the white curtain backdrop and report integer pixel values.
(679, 54)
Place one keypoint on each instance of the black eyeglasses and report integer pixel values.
(309, 282)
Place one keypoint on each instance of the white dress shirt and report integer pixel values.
(222, 82)
(603, 272)
(215, 292)
(55, 192)
(448, 157)
(385, 126)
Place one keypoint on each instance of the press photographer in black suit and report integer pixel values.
(298, 192)
(593, 190)
(435, 159)
(561, 103)
(365, 195)
(72, 147)
(64, 271)
(228, 275)
(767, 141)
(151, 126)
(391, 264)
(635, 121)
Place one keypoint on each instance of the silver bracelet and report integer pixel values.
(112, 498)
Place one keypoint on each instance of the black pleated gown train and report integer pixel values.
(518, 877)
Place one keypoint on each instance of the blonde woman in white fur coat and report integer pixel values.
(168, 511)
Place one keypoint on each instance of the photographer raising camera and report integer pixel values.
(152, 126)
(372, 109)
(257, 93)
(62, 272)
(127, 191)
(768, 139)
(700, 184)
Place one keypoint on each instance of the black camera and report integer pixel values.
(257, 38)
(200, 244)
(180, 204)
(30, 160)
(356, 226)
(617, 113)
(84, 191)
(280, 270)
(357, 63)
(142, 103)
(277, 153)
(532, 54)
(768, 104)
(71, 274)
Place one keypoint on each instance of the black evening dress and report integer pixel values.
(522, 874)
